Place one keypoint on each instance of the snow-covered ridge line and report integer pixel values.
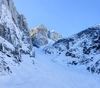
(96, 26)
(84, 46)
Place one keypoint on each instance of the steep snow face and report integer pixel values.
(41, 72)
(14, 32)
(84, 46)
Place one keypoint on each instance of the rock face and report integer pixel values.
(53, 35)
(40, 36)
(14, 27)
(85, 46)
(14, 32)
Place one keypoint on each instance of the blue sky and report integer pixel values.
(67, 17)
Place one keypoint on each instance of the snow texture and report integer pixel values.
(42, 72)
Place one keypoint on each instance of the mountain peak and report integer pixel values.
(96, 26)
(41, 27)
(40, 35)
(53, 31)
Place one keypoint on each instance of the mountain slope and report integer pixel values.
(84, 47)
(14, 35)
(44, 73)
(18, 68)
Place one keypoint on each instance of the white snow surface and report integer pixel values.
(44, 72)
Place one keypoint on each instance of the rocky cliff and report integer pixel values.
(40, 36)
(53, 35)
(14, 33)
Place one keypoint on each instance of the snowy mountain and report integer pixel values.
(14, 34)
(84, 47)
(41, 36)
(56, 63)
(53, 35)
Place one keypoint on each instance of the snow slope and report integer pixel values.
(44, 72)
(84, 46)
